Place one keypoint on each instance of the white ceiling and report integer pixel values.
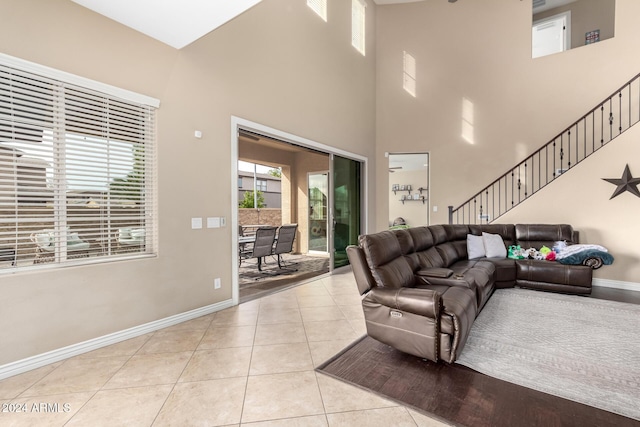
(173, 22)
(177, 22)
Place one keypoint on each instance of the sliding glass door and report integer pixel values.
(318, 185)
(346, 206)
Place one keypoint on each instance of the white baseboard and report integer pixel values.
(617, 284)
(24, 365)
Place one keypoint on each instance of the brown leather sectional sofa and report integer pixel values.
(423, 293)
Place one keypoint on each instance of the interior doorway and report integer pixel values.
(551, 35)
(321, 192)
(408, 189)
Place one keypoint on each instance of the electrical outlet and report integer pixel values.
(216, 283)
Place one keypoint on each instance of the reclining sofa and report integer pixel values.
(423, 293)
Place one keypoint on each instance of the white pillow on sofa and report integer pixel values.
(494, 246)
(475, 246)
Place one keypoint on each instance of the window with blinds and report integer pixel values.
(358, 24)
(76, 172)
(319, 7)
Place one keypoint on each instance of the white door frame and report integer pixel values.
(325, 172)
(565, 18)
(238, 123)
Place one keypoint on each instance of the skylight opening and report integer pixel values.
(409, 73)
(319, 7)
(358, 25)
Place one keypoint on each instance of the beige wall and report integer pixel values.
(278, 64)
(581, 198)
(519, 103)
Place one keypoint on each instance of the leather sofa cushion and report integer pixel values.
(430, 258)
(360, 269)
(405, 240)
(384, 257)
(456, 232)
(482, 274)
(448, 253)
(547, 272)
(422, 238)
(506, 231)
(458, 313)
(505, 269)
(538, 235)
(408, 332)
(422, 302)
(435, 272)
(455, 281)
(439, 234)
(408, 249)
(380, 248)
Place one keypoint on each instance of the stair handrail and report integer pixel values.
(552, 143)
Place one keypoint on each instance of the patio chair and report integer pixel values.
(46, 247)
(284, 244)
(263, 245)
(131, 239)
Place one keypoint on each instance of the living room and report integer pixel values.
(280, 65)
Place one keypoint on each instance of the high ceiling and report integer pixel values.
(173, 22)
(177, 22)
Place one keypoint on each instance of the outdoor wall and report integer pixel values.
(278, 64)
(264, 216)
(514, 104)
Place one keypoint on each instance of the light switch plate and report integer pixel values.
(213, 222)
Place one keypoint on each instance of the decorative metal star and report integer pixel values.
(626, 183)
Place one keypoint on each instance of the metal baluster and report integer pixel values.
(602, 125)
(620, 113)
(630, 105)
(512, 186)
(569, 151)
(554, 159)
(610, 119)
(561, 152)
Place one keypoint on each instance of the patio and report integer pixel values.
(254, 284)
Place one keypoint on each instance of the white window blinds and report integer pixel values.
(77, 172)
(358, 25)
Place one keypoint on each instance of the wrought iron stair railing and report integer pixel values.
(602, 124)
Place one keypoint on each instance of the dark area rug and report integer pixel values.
(457, 394)
(299, 268)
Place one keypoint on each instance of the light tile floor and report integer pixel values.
(249, 365)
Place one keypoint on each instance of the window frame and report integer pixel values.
(358, 25)
(62, 137)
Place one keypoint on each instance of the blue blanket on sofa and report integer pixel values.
(591, 257)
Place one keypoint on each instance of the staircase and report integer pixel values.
(608, 120)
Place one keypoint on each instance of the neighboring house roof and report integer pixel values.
(259, 175)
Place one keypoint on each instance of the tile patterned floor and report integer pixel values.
(250, 365)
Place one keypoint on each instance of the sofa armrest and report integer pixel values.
(435, 272)
(422, 302)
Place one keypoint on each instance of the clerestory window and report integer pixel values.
(358, 25)
(319, 7)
